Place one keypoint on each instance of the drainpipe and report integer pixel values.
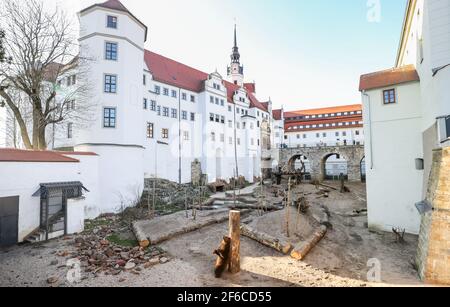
(179, 136)
(370, 128)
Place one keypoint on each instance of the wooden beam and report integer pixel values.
(267, 240)
(303, 248)
(235, 235)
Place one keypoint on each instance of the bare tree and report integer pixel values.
(42, 51)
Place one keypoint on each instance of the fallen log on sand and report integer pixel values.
(144, 242)
(303, 248)
(267, 240)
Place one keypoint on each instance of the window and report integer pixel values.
(239, 141)
(252, 126)
(238, 125)
(110, 84)
(192, 98)
(70, 105)
(298, 136)
(229, 109)
(111, 52)
(222, 119)
(213, 136)
(174, 94)
(184, 96)
(357, 132)
(69, 130)
(192, 117)
(389, 96)
(217, 118)
(144, 79)
(344, 133)
(230, 140)
(244, 124)
(337, 133)
(211, 99)
(222, 102)
(145, 104)
(74, 79)
(318, 135)
(211, 117)
(165, 133)
(112, 22)
(324, 135)
(109, 117)
(237, 110)
(222, 137)
(217, 101)
(186, 135)
(158, 110)
(152, 105)
(149, 130)
(184, 115)
(165, 91)
(157, 89)
(257, 124)
(165, 112)
(305, 136)
(230, 124)
(174, 113)
(252, 142)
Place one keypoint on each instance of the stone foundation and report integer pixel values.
(433, 255)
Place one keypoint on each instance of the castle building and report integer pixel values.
(155, 117)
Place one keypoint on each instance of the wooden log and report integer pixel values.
(144, 242)
(303, 248)
(235, 235)
(267, 240)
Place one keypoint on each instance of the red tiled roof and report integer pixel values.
(174, 73)
(277, 114)
(17, 155)
(117, 6)
(251, 87)
(322, 111)
(388, 77)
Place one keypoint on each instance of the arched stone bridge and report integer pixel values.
(318, 156)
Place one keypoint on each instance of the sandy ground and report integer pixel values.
(340, 259)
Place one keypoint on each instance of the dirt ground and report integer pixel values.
(340, 259)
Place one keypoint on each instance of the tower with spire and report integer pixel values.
(236, 70)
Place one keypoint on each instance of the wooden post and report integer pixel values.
(235, 235)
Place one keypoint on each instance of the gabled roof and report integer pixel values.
(277, 114)
(388, 77)
(116, 5)
(18, 155)
(251, 87)
(174, 73)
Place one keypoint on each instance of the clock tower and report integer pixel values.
(236, 70)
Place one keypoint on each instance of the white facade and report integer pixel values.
(321, 137)
(399, 133)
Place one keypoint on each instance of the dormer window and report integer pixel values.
(112, 22)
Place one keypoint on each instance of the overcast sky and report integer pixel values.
(301, 53)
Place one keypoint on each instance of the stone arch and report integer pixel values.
(323, 164)
(293, 160)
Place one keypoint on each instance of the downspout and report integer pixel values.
(235, 143)
(179, 136)
(370, 128)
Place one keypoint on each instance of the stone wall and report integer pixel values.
(196, 173)
(318, 156)
(433, 255)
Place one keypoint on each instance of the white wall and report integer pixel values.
(393, 142)
(23, 179)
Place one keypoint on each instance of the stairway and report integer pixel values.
(37, 236)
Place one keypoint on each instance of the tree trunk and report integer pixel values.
(18, 117)
(35, 129)
(42, 138)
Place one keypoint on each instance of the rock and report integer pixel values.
(124, 256)
(52, 280)
(130, 265)
(121, 263)
(104, 242)
(122, 280)
(109, 252)
(163, 260)
(79, 241)
(54, 262)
